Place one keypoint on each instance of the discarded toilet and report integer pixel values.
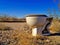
(37, 22)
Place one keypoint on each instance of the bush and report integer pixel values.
(55, 26)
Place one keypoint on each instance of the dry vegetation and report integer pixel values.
(23, 36)
(55, 25)
(8, 18)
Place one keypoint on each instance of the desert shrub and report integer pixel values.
(55, 26)
(9, 18)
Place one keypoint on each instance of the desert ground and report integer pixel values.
(19, 33)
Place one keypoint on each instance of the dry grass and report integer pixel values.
(21, 35)
(55, 26)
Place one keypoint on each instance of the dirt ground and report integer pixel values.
(21, 35)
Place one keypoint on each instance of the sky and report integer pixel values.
(21, 8)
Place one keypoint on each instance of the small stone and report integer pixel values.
(47, 40)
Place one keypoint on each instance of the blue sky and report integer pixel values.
(21, 8)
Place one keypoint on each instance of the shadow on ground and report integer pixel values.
(54, 34)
